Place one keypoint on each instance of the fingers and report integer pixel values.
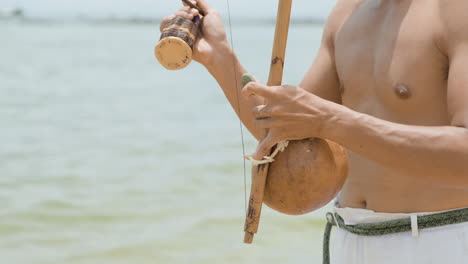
(204, 6)
(191, 1)
(261, 111)
(165, 20)
(267, 111)
(264, 148)
(187, 12)
(269, 123)
(193, 8)
(255, 88)
(194, 12)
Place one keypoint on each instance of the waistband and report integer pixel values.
(393, 223)
(353, 216)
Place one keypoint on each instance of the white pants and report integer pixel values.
(439, 245)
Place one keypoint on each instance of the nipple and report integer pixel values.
(402, 91)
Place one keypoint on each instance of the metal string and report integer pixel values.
(236, 80)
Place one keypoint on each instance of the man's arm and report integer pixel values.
(212, 50)
(321, 79)
(439, 154)
(227, 70)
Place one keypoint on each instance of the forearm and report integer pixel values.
(438, 153)
(227, 71)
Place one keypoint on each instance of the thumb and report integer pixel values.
(265, 146)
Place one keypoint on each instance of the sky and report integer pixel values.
(159, 8)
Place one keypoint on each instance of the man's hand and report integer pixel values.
(213, 36)
(291, 113)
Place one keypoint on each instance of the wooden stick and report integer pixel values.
(279, 48)
(259, 173)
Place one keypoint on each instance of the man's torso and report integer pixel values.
(391, 66)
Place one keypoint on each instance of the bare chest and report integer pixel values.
(389, 63)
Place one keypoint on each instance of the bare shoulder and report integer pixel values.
(454, 12)
(454, 19)
(342, 10)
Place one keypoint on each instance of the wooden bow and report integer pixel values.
(260, 172)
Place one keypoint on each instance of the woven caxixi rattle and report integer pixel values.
(174, 49)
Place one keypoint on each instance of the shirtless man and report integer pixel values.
(390, 84)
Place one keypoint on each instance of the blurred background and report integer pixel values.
(106, 157)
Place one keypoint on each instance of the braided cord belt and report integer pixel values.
(390, 227)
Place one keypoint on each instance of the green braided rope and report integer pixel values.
(390, 227)
(247, 78)
(326, 243)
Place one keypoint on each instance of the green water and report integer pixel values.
(105, 157)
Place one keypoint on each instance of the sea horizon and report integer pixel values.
(151, 20)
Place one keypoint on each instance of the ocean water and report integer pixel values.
(106, 157)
